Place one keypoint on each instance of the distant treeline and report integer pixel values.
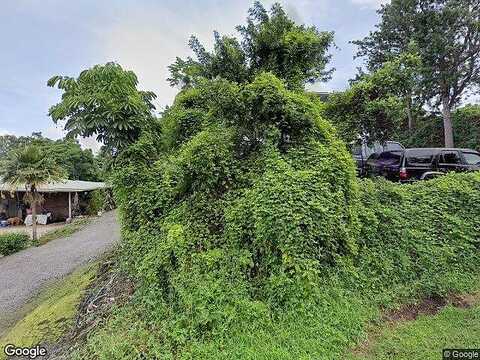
(428, 131)
(80, 164)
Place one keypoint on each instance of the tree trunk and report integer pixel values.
(447, 123)
(34, 214)
(409, 113)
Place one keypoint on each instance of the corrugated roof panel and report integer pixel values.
(63, 186)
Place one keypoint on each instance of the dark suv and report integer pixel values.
(422, 163)
(363, 152)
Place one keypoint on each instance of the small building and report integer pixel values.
(60, 198)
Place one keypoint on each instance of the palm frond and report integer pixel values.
(30, 166)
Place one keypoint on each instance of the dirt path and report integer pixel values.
(24, 274)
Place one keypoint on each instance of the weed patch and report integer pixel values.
(13, 242)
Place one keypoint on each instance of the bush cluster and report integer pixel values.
(420, 238)
(13, 242)
(236, 207)
(99, 200)
(250, 237)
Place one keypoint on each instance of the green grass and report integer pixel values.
(53, 313)
(64, 231)
(424, 338)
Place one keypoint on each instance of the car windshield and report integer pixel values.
(372, 149)
(419, 157)
(472, 158)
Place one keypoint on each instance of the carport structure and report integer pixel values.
(57, 195)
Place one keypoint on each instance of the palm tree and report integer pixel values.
(30, 167)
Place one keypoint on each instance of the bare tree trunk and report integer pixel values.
(447, 123)
(409, 113)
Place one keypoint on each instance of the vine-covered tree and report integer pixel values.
(447, 36)
(103, 101)
(270, 41)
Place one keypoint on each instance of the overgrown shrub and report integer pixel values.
(419, 239)
(251, 196)
(415, 241)
(250, 237)
(13, 242)
(466, 124)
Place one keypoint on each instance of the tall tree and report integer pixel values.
(103, 101)
(270, 42)
(30, 167)
(447, 36)
(374, 106)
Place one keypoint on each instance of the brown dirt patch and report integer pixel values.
(430, 306)
(408, 312)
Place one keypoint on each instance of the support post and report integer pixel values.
(70, 205)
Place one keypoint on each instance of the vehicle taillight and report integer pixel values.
(403, 174)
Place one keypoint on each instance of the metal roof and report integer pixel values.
(439, 149)
(61, 186)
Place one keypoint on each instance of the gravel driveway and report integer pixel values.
(24, 274)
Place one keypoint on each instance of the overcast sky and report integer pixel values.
(41, 38)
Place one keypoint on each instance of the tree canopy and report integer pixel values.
(429, 132)
(375, 106)
(30, 165)
(446, 34)
(104, 102)
(79, 164)
(270, 41)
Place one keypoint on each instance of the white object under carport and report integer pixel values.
(41, 219)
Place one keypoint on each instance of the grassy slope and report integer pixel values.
(54, 312)
(424, 338)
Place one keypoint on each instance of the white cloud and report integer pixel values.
(370, 3)
(54, 132)
(5, 132)
(147, 39)
(303, 11)
(90, 143)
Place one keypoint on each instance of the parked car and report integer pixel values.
(385, 164)
(362, 152)
(422, 163)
